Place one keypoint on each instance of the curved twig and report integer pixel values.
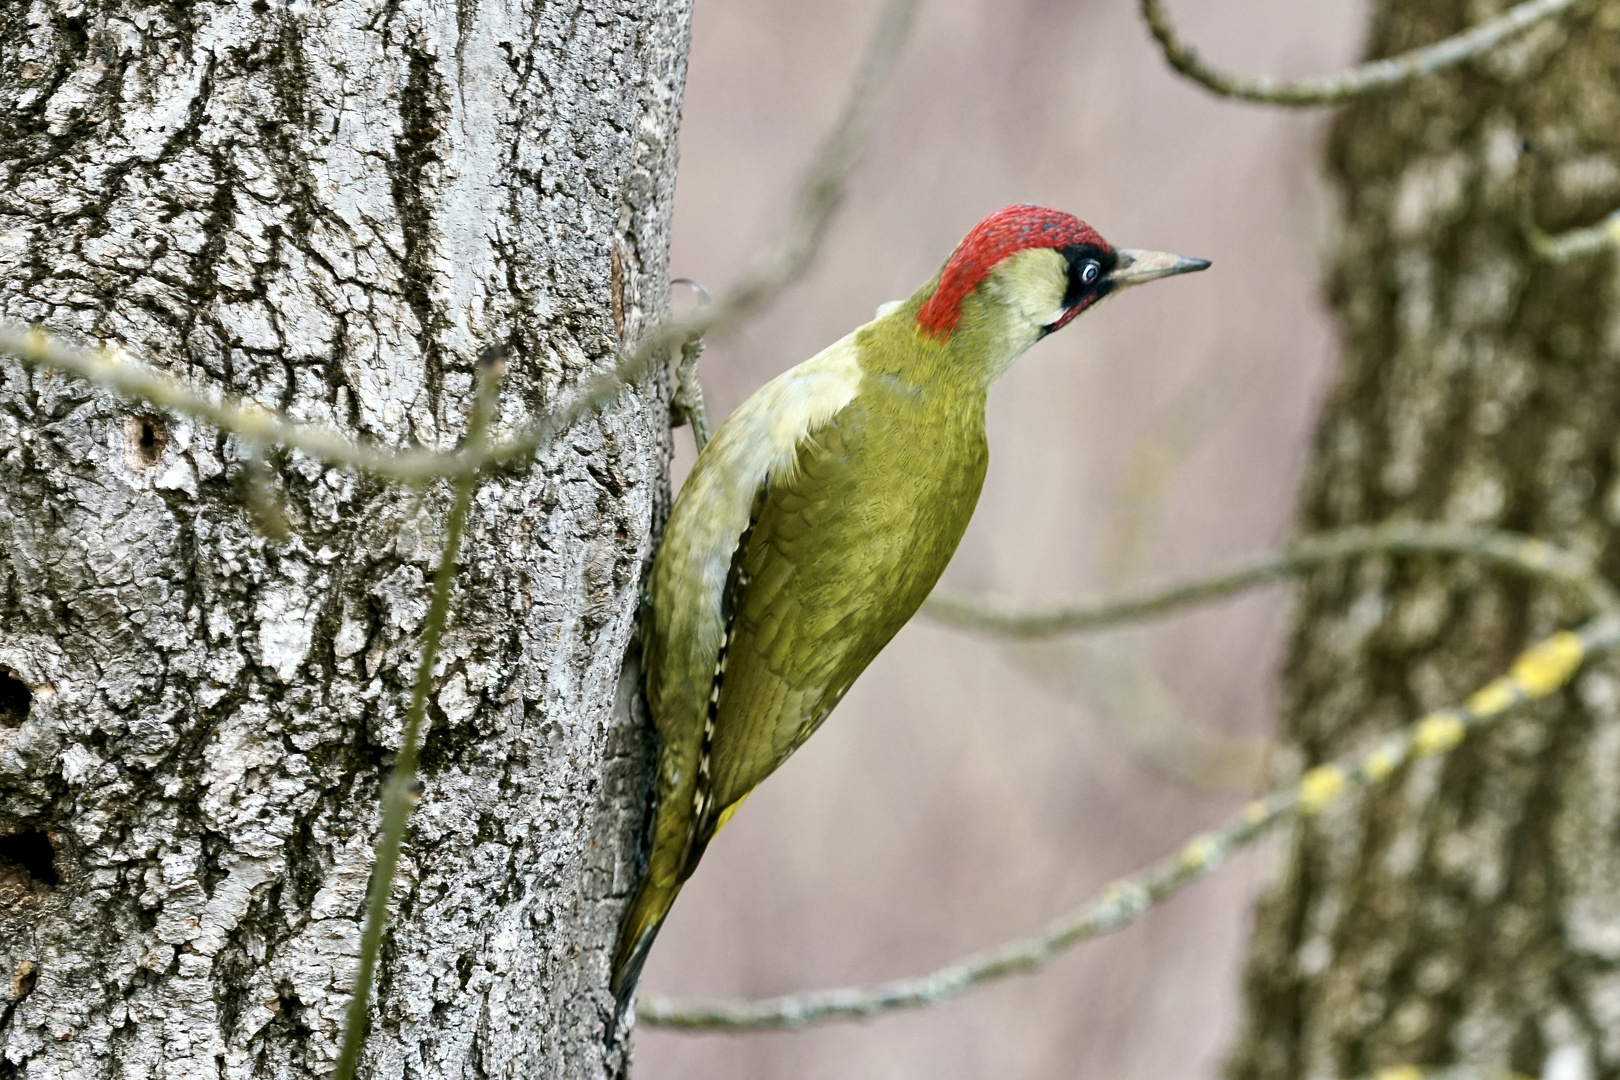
(1541, 670)
(823, 187)
(1576, 243)
(1510, 551)
(819, 196)
(1373, 77)
(109, 367)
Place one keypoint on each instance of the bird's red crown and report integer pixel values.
(1000, 236)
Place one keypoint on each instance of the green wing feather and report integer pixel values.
(840, 551)
(830, 581)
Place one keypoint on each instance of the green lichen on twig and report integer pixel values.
(1577, 243)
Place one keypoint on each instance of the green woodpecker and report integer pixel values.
(820, 516)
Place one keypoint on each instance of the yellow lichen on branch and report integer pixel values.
(1124, 901)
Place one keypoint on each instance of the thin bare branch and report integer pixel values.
(1114, 672)
(1543, 669)
(818, 198)
(1510, 551)
(823, 188)
(111, 369)
(1577, 243)
(399, 790)
(1372, 77)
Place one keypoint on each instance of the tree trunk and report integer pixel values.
(1467, 911)
(331, 208)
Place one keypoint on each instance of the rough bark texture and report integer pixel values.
(331, 206)
(1470, 910)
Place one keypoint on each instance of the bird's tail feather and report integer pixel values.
(640, 927)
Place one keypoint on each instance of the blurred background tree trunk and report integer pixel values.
(331, 208)
(1470, 909)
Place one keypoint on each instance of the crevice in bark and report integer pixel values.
(422, 114)
(28, 855)
(16, 699)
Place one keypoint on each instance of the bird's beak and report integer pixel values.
(1135, 267)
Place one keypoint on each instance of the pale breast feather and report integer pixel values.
(758, 443)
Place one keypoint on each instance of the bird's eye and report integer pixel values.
(1089, 272)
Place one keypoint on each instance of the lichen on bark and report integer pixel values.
(1465, 912)
(331, 208)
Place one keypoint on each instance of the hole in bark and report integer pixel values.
(30, 851)
(15, 699)
(148, 438)
(23, 980)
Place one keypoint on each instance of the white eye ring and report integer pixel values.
(1089, 272)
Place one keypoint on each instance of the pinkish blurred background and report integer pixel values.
(967, 791)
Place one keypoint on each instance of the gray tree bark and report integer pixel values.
(1468, 911)
(331, 207)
